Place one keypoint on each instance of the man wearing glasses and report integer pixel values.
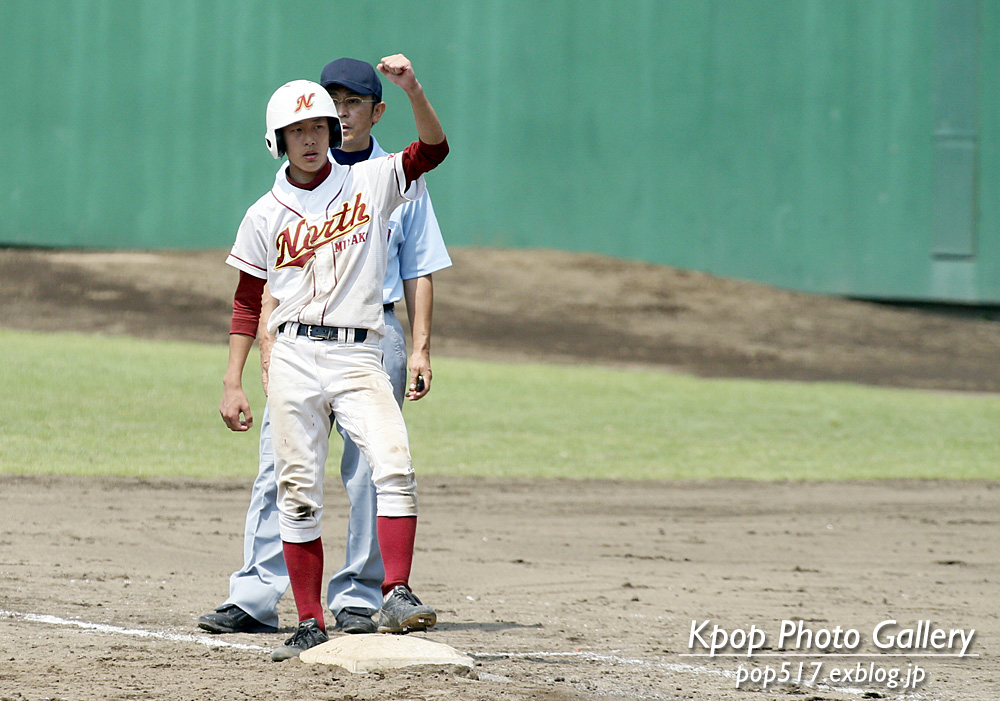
(416, 251)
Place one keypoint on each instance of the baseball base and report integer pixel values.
(376, 652)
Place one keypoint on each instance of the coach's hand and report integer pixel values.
(235, 409)
(420, 376)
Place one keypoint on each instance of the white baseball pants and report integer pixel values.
(307, 381)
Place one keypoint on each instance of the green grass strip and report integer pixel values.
(78, 404)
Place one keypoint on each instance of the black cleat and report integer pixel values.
(307, 635)
(355, 620)
(402, 612)
(232, 619)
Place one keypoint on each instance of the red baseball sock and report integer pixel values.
(305, 570)
(395, 540)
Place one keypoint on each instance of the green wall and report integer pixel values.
(805, 143)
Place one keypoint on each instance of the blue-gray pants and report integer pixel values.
(263, 579)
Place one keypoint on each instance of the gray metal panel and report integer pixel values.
(954, 226)
(956, 142)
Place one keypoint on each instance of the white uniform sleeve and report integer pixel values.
(389, 182)
(249, 252)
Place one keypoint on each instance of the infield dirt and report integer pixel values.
(561, 590)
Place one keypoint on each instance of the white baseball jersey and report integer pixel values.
(323, 251)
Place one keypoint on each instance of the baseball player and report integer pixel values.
(416, 251)
(318, 238)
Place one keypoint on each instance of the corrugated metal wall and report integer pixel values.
(842, 146)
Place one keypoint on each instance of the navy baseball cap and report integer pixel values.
(354, 75)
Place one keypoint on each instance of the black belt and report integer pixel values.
(391, 306)
(326, 333)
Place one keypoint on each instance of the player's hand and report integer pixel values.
(398, 69)
(235, 409)
(420, 376)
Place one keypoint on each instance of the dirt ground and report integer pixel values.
(559, 590)
(549, 305)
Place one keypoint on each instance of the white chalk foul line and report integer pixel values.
(613, 659)
(213, 641)
(209, 641)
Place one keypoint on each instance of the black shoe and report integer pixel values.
(232, 619)
(307, 635)
(356, 620)
(402, 612)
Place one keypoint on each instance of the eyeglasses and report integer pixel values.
(351, 103)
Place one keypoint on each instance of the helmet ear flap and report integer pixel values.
(336, 134)
(275, 142)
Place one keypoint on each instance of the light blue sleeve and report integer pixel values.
(422, 251)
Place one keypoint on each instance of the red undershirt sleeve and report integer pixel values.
(419, 158)
(247, 304)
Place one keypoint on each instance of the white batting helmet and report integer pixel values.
(293, 102)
